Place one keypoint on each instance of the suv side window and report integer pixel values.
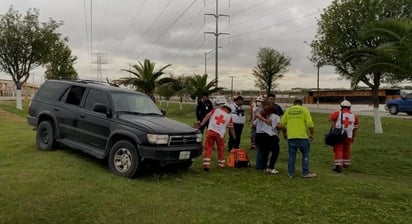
(52, 91)
(75, 95)
(93, 97)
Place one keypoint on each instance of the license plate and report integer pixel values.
(184, 155)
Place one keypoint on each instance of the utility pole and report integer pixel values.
(317, 84)
(206, 53)
(231, 86)
(100, 59)
(217, 34)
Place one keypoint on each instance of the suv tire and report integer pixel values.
(45, 136)
(124, 159)
(393, 109)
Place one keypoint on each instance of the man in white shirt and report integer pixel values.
(238, 118)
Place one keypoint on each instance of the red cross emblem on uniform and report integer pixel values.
(346, 122)
(219, 119)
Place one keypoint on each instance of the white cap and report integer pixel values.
(259, 99)
(227, 106)
(345, 103)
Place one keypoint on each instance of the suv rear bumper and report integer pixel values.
(170, 153)
(32, 121)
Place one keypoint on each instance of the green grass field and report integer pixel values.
(66, 186)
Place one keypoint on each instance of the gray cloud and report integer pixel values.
(129, 30)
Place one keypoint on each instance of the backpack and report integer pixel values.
(238, 158)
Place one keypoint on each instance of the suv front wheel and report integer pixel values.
(123, 159)
(45, 136)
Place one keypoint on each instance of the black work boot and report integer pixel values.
(337, 169)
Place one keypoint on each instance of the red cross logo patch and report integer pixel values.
(220, 120)
(346, 122)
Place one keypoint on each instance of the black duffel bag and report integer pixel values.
(335, 136)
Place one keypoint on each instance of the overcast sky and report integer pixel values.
(172, 32)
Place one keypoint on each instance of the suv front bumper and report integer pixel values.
(170, 153)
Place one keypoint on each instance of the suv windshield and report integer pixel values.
(134, 103)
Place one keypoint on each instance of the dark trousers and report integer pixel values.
(234, 143)
(267, 144)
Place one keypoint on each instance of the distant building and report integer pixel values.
(7, 88)
(361, 96)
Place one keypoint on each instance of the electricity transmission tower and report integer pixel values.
(216, 34)
(100, 58)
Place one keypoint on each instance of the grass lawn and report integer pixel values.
(66, 186)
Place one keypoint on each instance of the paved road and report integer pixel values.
(364, 110)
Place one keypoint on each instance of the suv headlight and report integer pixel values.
(199, 137)
(157, 139)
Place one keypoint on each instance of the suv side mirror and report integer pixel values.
(100, 108)
(163, 112)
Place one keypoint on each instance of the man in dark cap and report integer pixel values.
(204, 106)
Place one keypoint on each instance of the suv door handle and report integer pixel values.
(56, 109)
(82, 116)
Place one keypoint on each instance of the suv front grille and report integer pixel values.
(182, 139)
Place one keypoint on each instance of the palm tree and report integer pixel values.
(145, 79)
(389, 61)
(198, 85)
(396, 48)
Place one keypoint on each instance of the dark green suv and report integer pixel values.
(106, 121)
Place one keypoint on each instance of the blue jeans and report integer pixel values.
(304, 146)
(259, 157)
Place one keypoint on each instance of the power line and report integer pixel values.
(134, 19)
(158, 16)
(251, 7)
(196, 33)
(274, 12)
(279, 34)
(164, 32)
(91, 26)
(85, 22)
(271, 26)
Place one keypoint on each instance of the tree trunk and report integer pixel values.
(18, 99)
(377, 119)
(377, 115)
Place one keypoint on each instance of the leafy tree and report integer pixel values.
(25, 44)
(166, 90)
(61, 62)
(338, 35)
(198, 85)
(145, 79)
(181, 86)
(271, 65)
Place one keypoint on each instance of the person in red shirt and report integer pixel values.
(350, 123)
(219, 119)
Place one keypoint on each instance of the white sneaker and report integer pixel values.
(275, 171)
(272, 171)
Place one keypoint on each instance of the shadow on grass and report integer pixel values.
(150, 170)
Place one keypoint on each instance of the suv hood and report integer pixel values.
(157, 124)
(393, 101)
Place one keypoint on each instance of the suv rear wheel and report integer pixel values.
(393, 109)
(45, 136)
(123, 159)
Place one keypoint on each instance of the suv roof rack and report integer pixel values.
(86, 81)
